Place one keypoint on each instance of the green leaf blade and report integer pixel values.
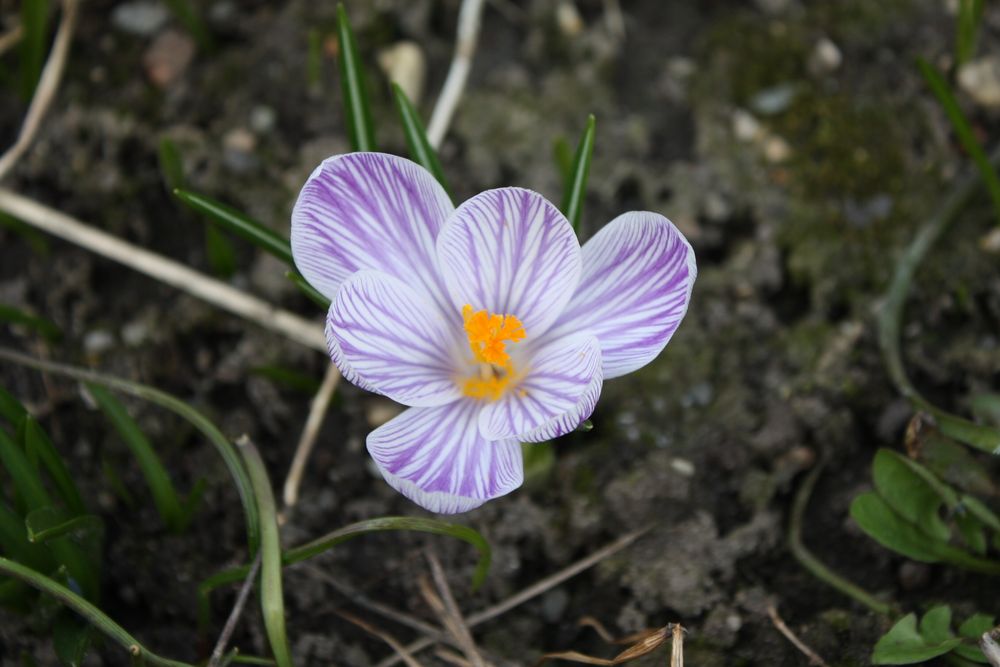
(162, 489)
(576, 184)
(357, 110)
(235, 222)
(904, 645)
(417, 142)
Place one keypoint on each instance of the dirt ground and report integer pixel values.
(793, 141)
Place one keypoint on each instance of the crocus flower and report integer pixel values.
(489, 321)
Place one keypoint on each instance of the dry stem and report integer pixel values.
(317, 411)
(469, 19)
(813, 657)
(163, 269)
(45, 92)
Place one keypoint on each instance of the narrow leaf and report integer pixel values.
(11, 408)
(576, 184)
(357, 110)
(970, 13)
(87, 610)
(963, 130)
(37, 443)
(416, 138)
(349, 532)
(26, 478)
(204, 425)
(171, 164)
(71, 638)
(271, 597)
(221, 256)
(910, 494)
(40, 325)
(164, 495)
(34, 40)
(562, 155)
(235, 222)
(47, 523)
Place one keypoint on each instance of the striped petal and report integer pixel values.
(510, 251)
(394, 340)
(437, 458)
(551, 396)
(369, 211)
(637, 279)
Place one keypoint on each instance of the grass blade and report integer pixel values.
(164, 495)
(175, 405)
(970, 13)
(314, 59)
(241, 225)
(39, 244)
(271, 599)
(416, 138)
(38, 444)
(11, 408)
(171, 164)
(349, 532)
(88, 611)
(576, 184)
(963, 130)
(25, 477)
(357, 111)
(35, 34)
(48, 523)
(48, 330)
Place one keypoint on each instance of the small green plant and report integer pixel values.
(907, 642)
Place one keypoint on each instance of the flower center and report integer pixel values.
(488, 335)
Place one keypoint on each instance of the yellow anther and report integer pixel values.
(489, 333)
(488, 337)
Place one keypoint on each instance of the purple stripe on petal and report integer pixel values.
(559, 377)
(437, 458)
(510, 251)
(638, 273)
(370, 211)
(394, 340)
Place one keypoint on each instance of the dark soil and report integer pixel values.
(796, 218)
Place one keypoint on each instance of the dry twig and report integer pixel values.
(45, 92)
(991, 649)
(163, 269)
(234, 615)
(642, 644)
(534, 590)
(317, 411)
(448, 611)
(400, 650)
(9, 39)
(813, 657)
(469, 19)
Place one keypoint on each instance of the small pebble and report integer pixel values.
(746, 127)
(773, 100)
(980, 80)
(142, 17)
(404, 63)
(168, 57)
(825, 57)
(262, 119)
(568, 19)
(777, 150)
(991, 242)
(97, 342)
(682, 467)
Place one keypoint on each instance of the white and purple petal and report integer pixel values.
(437, 458)
(510, 251)
(394, 340)
(369, 211)
(637, 279)
(553, 392)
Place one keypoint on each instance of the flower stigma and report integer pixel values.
(488, 335)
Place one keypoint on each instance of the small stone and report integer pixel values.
(262, 119)
(568, 19)
(135, 333)
(777, 150)
(773, 100)
(991, 242)
(825, 57)
(96, 342)
(142, 17)
(168, 57)
(404, 63)
(554, 605)
(682, 467)
(746, 127)
(980, 80)
(238, 147)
